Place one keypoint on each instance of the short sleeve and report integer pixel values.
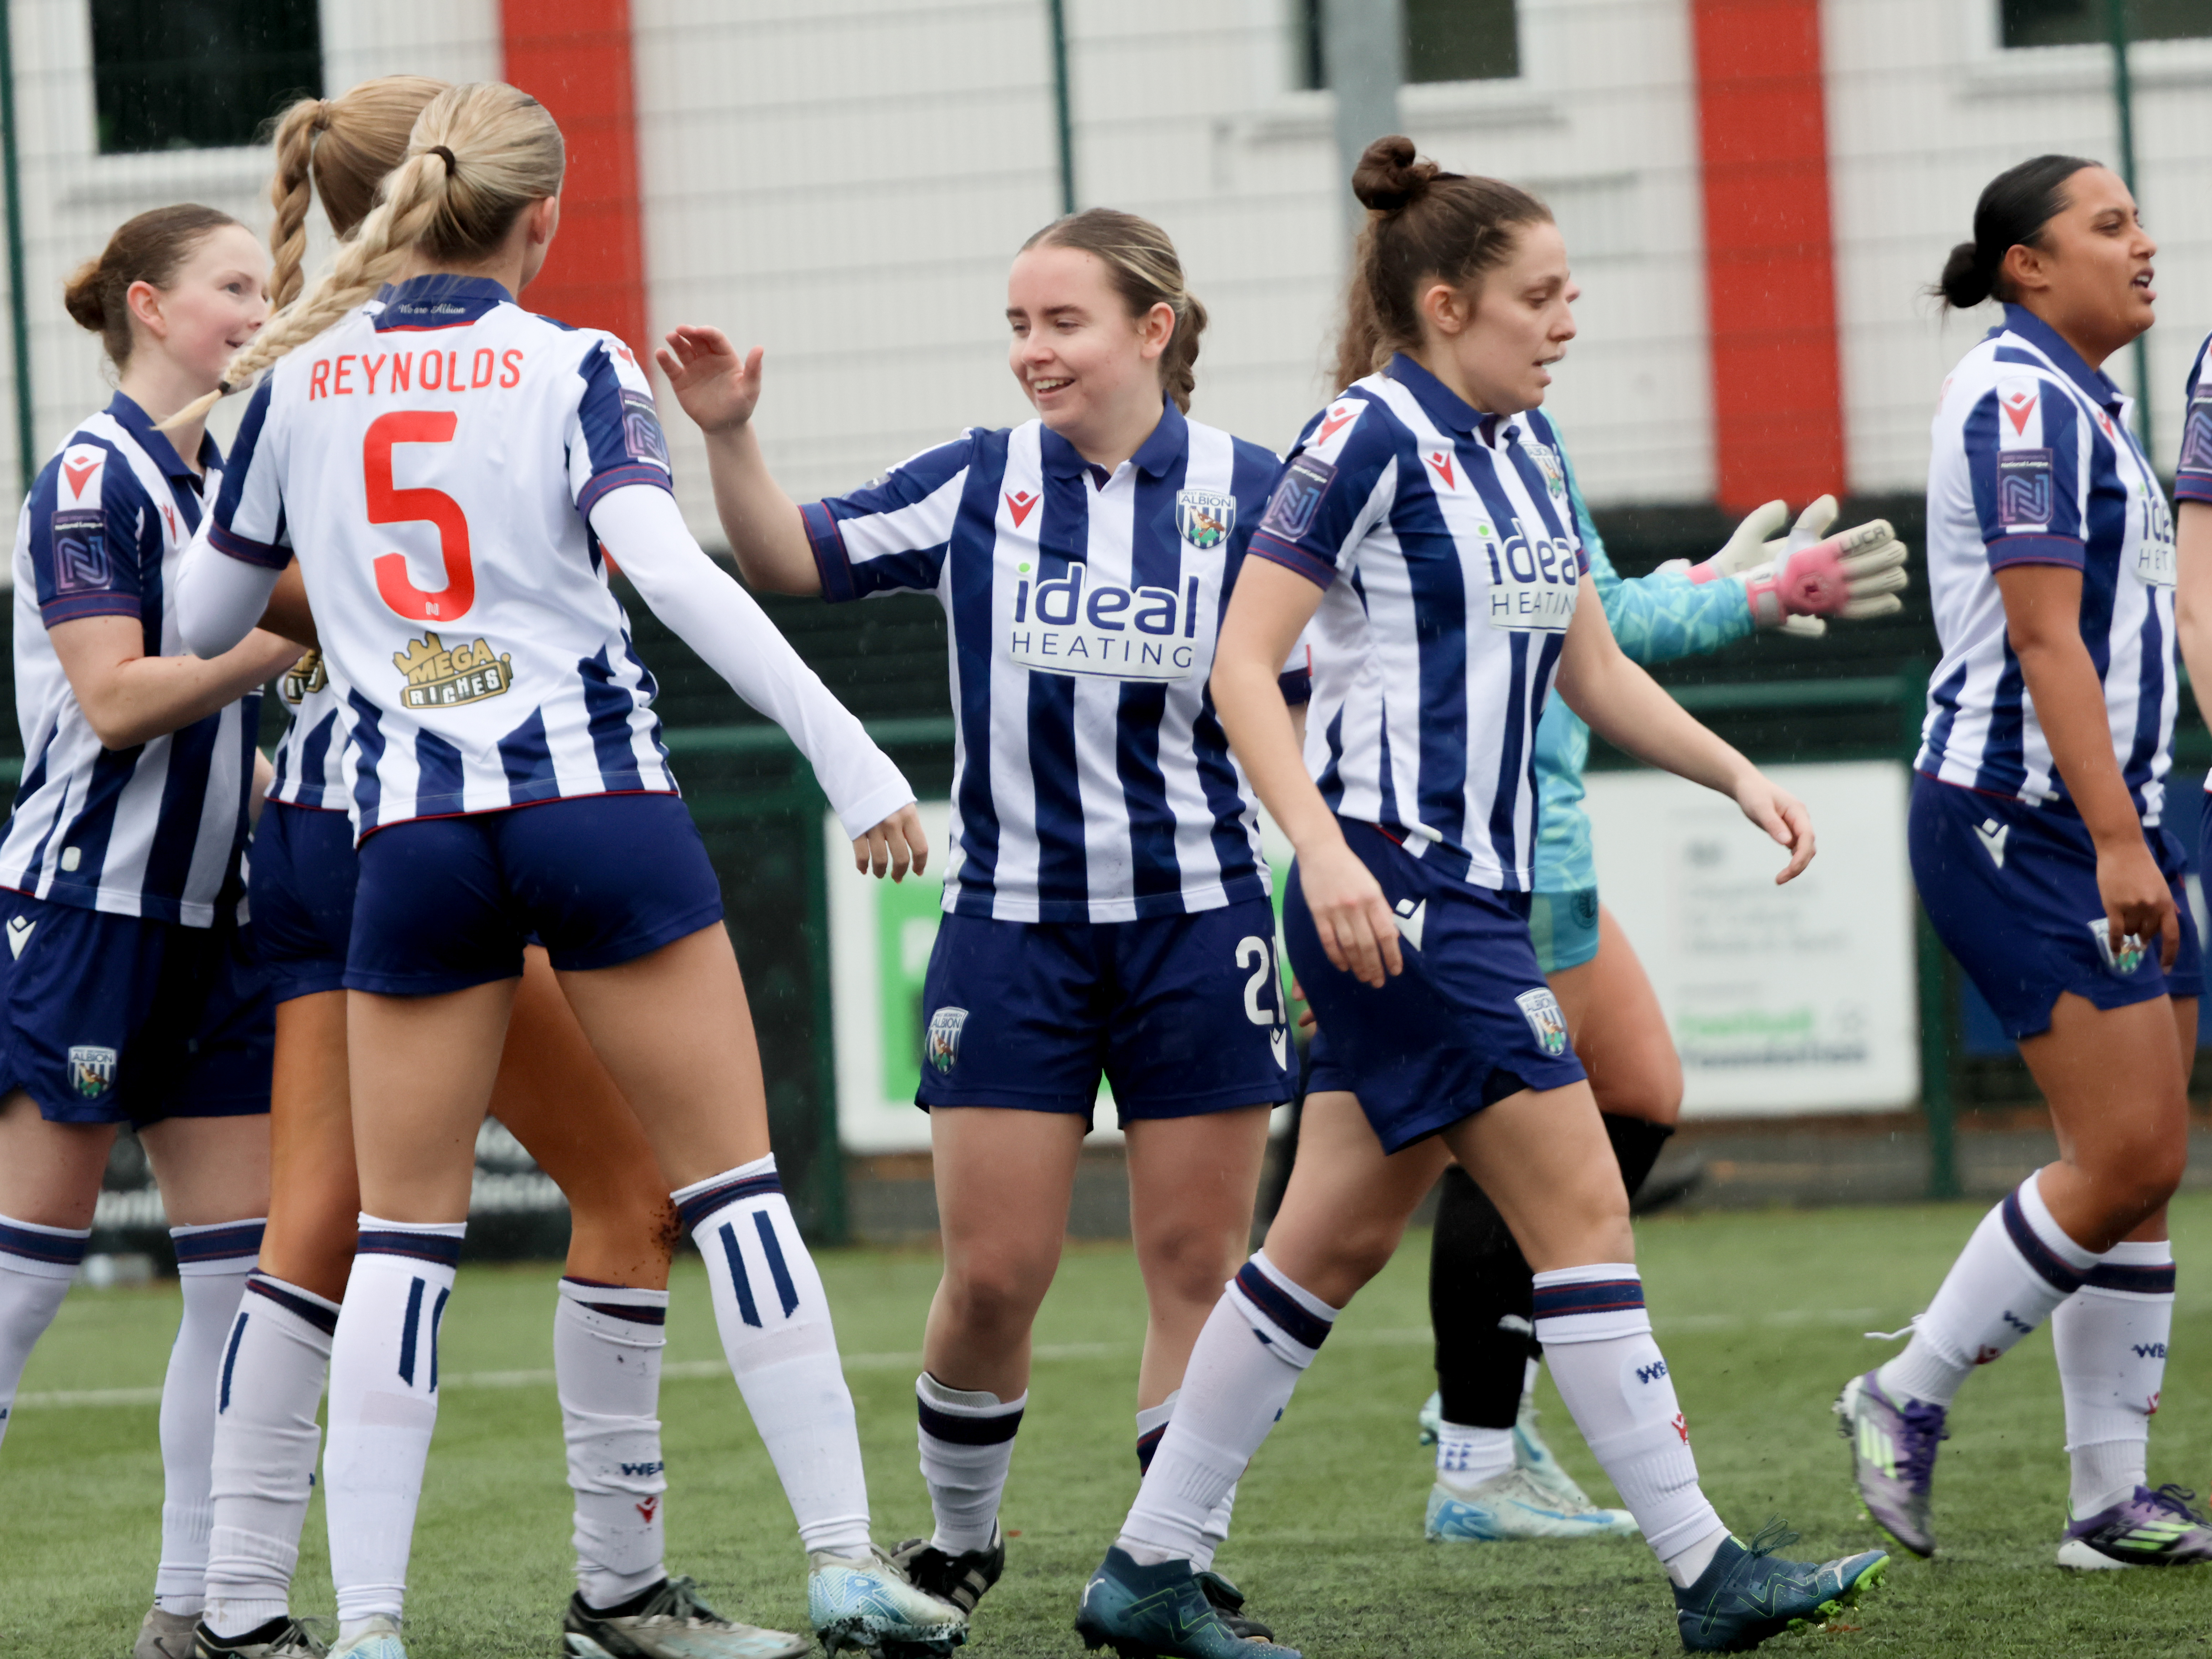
(892, 533)
(1331, 490)
(248, 521)
(614, 437)
(2024, 438)
(2192, 474)
(87, 515)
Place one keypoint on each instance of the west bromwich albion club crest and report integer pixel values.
(1547, 1023)
(944, 1047)
(92, 1070)
(1204, 517)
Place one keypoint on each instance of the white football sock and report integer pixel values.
(1152, 1422)
(1233, 1390)
(1467, 1457)
(782, 1349)
(212, 1263)
(2016, 1268)
(265, 1441)
(1597, 1339)
(2110, 1337)
(966, 1440)
(36, 1266)
(607, 1342)
(384, 1404)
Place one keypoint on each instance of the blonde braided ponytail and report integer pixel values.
(477, 156)
(292, 192)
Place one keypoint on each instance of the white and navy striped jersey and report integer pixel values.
(1091, 779)
(1451, 559)
(2033, 462)
(2192, 473)
(433, 458)
(311, 754)
(153, 831)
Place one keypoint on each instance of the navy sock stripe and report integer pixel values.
(1601, 1296)
(2048, 1265)
(1273, 1300)
(215, 1244)
(650, 1311)
(407, 1332)
(423, 1246)
(785, 1292)
(700, 1206)
(325, 1320)
(230, 1362)
(636, 1313)
(437, 1320)
(1147, 1443)
(2145, 1280)
(57, 1247)
(963, 1431)
(742, 1287)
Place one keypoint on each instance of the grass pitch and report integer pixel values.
(1760, 1317)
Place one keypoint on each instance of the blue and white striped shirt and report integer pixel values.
(1451, 561)
(2192, 472)
(1091, 779)
(153, 831)
(311, 754)
(2033, 462)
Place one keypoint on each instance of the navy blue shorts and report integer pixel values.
(598, 880)
(2012, 891)
(1183, 1014)
(304, 871)
(1469, 1022)
(113, 1019)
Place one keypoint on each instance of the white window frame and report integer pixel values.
(1996, 69)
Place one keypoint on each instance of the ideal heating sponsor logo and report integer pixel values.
(1533, 579)
(1073, 625)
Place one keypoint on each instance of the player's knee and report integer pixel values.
(1190, 1264)
(992, 1290)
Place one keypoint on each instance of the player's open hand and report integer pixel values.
(717, 388)
(893, 847)
(1350, 913)
(2138, 903)
(1783, 818)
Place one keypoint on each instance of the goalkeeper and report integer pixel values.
(1496, 1480)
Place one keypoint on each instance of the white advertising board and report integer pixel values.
(1781, 1000)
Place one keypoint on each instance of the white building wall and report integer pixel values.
(1924, 108)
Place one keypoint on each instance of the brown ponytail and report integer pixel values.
(1141, 264)
(150, 248)
(341, 148)
(1424, 226)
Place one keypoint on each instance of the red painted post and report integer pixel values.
(1770, 254)
(574, 57)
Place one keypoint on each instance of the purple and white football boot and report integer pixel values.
(1892, 1458)
(2150, 1530)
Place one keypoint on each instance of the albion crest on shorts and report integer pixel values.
(1547, 1024)
(91, 1070)
(943, 1049)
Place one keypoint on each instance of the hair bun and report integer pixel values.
(1964, 284)
(83, 299)
(1387, 177)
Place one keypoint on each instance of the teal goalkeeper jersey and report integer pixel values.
(1657, 618)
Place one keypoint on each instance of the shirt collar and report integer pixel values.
(2020, 320)
(1155, 457)
(439, 299)
(1441, 403)
(159, 450)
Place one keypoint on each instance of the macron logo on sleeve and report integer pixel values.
(1339, 415)
(2018, 406)
(81, 467)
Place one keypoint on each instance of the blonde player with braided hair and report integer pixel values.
(506, 782)
(551, 1091)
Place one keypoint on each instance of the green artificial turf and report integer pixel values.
(1760, 1317)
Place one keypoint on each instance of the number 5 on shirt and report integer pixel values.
(388, 504)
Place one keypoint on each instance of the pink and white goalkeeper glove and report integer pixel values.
(1797, 582)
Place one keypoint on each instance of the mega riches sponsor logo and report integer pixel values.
(442, 677)
(304, 678)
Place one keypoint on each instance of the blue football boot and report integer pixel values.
(1161, 1612)
(1746, 1595)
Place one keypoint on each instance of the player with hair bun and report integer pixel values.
(129, 990)
(551, 1092)
(507, 784)
(1436, 633)
(2040, 848)
(1107, 903)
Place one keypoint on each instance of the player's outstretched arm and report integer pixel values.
(130, 698)
(1630, 709)
(719, 389)
(645, 533)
